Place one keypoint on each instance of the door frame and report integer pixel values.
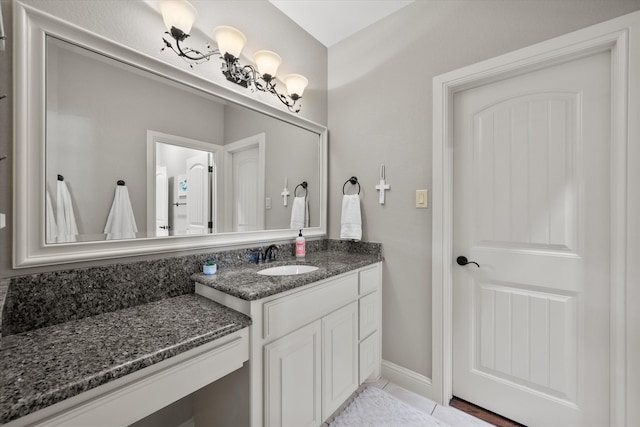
(154, 137)
(621, 37)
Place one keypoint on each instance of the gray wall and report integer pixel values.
(380, 99)
(138, 25)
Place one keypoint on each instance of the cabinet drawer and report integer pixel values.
(369, 316)
(369, 280)
(369, 357)
(289, 313)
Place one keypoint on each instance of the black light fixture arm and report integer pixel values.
(245, 75)
(187, 53)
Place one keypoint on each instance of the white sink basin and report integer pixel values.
(287, 270)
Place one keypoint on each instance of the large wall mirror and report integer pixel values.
(120, 154)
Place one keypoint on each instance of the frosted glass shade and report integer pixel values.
(229, 40)
(295, 84)
(267, 62)
(178, 13)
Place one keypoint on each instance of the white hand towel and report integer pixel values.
(351, 222)
(121, 223)
(67, 230)
(51, 229)
(299, 213)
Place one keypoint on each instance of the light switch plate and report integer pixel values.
(3, 221)
(267, 203)
(422, 199)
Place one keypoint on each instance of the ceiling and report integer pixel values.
(331, 21)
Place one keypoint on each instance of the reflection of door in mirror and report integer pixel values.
(162, 202)
(245, 183)
(199, 185)
(189, 199)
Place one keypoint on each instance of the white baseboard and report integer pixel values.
(189, 423)
(408, 379)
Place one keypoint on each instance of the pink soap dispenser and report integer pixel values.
(300, 246)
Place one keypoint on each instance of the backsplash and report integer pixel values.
(39, 300)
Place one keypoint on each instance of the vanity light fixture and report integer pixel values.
(179, 16)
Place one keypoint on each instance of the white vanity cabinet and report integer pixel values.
(311, 347)
(318, 359)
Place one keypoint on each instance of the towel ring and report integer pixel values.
(304, 185)
(60, 178)
(120, 182)
(353, 180)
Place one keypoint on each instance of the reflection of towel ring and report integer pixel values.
(120, 182)
(304, 185)
(353, 180)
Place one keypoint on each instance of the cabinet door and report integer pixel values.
(370, 358)
(340, 357)
(369, 314)
(292, 379)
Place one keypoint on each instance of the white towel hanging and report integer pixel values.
(67, 230)
(351, 221)
(299, 213)
(121, 223)
(51, 229)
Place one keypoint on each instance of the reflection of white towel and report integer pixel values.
(65, 219)
(351, 221)
(299, 213)
(51, 230)
(121, 224)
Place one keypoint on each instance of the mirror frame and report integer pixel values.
(32, 26)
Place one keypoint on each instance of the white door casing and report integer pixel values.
(531, 206)
(621, 37)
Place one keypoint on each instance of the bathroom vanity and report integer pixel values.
(118, 367)
(118, 343)
(315, 337)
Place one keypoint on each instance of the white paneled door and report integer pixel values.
(198, 193)
(531, 206)
(245, 183)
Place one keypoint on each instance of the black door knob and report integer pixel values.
(462, 260)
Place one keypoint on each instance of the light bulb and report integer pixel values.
(229, 40)
(295, 84)
(267, 62)
(178, 13)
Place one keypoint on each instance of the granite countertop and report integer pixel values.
(243, 282)
(47, 365)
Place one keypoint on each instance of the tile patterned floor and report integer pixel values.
(448, 415)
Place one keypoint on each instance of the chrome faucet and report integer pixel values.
(269, 253)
